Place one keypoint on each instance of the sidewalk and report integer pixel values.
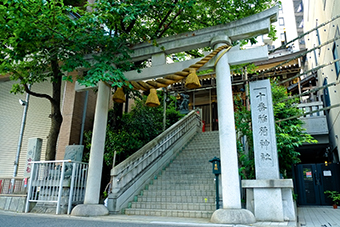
(318, 216)
(308, 216)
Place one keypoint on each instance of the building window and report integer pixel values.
(317, 33)
(315, 58)
(318, 36)
(335, 57)
(327, 100)
(337, 32)
(324, 4)
(300, 8)
(281, 21)
(282, 37)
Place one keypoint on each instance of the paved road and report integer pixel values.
(19, 220)
(10, 219)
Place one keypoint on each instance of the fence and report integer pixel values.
(312, 107)
(62, 182)
(19, 186)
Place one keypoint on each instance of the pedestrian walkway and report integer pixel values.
(308, 216)
(318, 216)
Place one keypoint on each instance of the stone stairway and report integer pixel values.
(186, 188)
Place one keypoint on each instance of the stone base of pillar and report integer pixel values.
(270, 200)
(233, 216)
(86, 210)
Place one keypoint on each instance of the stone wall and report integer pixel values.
(15, 203)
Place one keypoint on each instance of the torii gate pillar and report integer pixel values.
(91, 206)
(231, 212)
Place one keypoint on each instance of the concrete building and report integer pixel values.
(38, 122)
(316, 13)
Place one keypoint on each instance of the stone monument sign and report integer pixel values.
(268, 197)
(33, 154)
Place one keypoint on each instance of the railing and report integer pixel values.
(311, 106)
(62, 182)
(131, 175)
(315, 121)
(19, 186)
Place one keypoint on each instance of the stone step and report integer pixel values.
(178, 193)
(174, 206)
(189, 167)
(193, 160)
(186, 188)
(170, 213)
(184, 182)
(192, 171)
(176, 199)
(182, 187)
(201, 146)
(186, 177)
(198, 154)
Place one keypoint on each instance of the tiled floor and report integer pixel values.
(318, 216)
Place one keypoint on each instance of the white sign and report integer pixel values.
(327, 173)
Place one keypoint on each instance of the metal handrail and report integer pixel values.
(181, 124)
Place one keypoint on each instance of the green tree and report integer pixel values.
(289, 133)
(41, 40)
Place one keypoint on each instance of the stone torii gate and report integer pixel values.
(215, 37)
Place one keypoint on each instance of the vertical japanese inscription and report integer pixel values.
(261, 127)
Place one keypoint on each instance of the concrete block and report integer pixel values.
(268, 183)
(21, 205)
(233, 216)
(289, 211)
(8, 203)
(268, 204)
(2, 202)
(14, 204)
(86, 210)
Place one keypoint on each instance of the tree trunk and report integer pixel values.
(56, 117)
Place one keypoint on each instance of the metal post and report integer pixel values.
(217, 193)
(29, 190)
(21, 135)
(70, 197)
(60, 187)
(164, 109)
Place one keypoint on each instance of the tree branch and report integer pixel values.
(39, 95)
(165, 29)
(122, 25)
(129, 28)
(164, 19)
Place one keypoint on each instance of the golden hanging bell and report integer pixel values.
(192, 80)
(152, 99)
(119, 95)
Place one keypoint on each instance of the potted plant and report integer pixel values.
(335, 196)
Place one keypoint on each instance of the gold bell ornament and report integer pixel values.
(152, 99)
(119, 95)
(192, 80)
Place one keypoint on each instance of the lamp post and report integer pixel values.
(216, 168)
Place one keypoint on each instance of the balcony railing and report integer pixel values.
(315, 121)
